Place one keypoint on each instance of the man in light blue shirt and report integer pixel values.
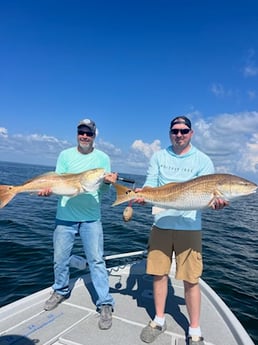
(81, 215)
(176, 231)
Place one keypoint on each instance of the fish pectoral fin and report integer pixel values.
(216, 195)
(211, 203)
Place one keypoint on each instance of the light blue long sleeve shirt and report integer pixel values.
(165, 166)
(85, 206)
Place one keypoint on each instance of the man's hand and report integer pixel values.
(139, 200)
(219, 203)
(110, 178)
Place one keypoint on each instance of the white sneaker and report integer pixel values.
(195, 340)
(78, 262)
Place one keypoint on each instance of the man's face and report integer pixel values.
(180, 135)
(85, 139)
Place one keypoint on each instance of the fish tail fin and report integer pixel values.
(7, 193)
(123, 194)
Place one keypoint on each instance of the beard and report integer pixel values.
(85, 147)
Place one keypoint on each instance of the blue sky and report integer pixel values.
(131, 66)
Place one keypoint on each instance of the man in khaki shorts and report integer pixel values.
(176, 231)
(187, 246)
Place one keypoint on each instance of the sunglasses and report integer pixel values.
(89, 134)
(182, 131)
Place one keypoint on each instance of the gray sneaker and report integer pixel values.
(195, 340)
(105, 316)
(152, 331)
(54, 300)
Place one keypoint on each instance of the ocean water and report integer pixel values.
(230, 243)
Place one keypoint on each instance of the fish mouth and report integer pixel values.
(102, 175)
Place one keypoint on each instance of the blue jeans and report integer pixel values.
(91, 234)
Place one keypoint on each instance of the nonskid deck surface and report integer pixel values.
(75, 321)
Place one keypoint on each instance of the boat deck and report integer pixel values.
(75, 321)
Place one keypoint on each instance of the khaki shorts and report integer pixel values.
(187, 245)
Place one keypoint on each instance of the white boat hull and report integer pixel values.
(75, 321)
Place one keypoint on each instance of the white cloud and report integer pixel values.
(231, 140)
(3, 132)
(109, 148)
(217, 89)
(249, 161)
(250, 69)
(146, 149)
(252, 94)
(34, 148)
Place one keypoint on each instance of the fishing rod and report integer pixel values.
(125, 179)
